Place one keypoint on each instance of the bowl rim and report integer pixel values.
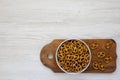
(57, 57)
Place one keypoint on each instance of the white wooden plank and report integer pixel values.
(27, 25)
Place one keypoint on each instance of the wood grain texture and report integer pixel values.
(27, 25)
(51, 49)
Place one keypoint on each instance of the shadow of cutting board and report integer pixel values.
(50, 50)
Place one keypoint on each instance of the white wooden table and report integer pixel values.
(27, 25)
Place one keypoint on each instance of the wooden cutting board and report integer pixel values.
(47, 55)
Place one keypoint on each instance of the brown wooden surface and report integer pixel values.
(51, 49)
